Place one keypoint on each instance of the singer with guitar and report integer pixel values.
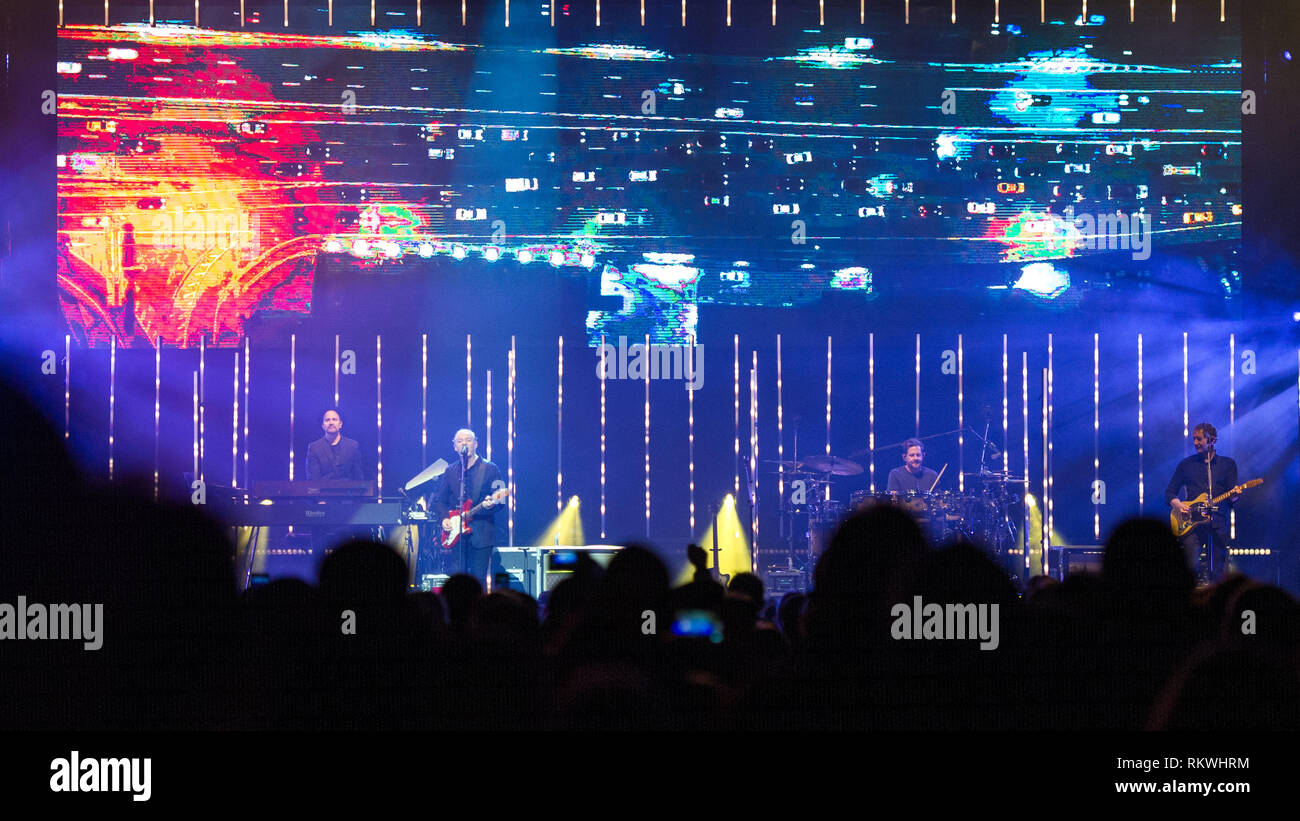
(1208, 474)
(470, 529)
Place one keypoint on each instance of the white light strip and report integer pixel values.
(753, 462)
(961, 413)
(510, 440)
(1045, 531)
(1051, 425)
(379, 415)
(469, 380)
(647, 433)
(871, 404)
(157, 409)
(735, 410)
(424, 400)
(1232, 419)
(1006, 457)
(234, 429)
(489, 414)
(293, 379)
(67, 387)
(559, 428)
(690, 434)
(918, 386)
(248, 366)
(828, 397)
(1173, 11)
(602, 439)
(203, 401)
(336, 370)
(196, 424)
(112, 400)
(1096, 433)
(954, 12)
(1024, 448)
(1141, 441)
(780, 425)
(597, 13)
(1185, 408)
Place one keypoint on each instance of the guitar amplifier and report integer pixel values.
(1065, 559)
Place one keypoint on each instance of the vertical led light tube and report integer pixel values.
(871, 405)
(157, 409)
(690, 433)
(1232, 419)
(379, 415)
(1024, 448)
(1051, 425)
(1006, 457)
(735, 410)
(918, 387)
(510, 438)
(203, 401)
(469, 380)
(234, 429)
(293, 386)
(559, 428)
(1185, 406)
(1046, 530)
(961, 412)
(828, 396)
(196, 424)
(424, 400)
(780, 425)
(112, 400)
(1096, 434)
(1141, 439)
(67, 387)
(488, 405)
(336, 370)
(604, 365)
(647, 434)
(248, 364)
(753, 463)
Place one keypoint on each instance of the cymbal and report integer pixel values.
(997, 477)
(788, 463)
(836, 465)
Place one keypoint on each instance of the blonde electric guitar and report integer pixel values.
(1184, 523)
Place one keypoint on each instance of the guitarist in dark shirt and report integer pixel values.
(1214, 475)
(482, 479)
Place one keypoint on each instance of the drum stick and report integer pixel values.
(937, 478)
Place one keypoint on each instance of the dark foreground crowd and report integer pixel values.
(1137, 646)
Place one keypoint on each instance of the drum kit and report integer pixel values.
(983, 514)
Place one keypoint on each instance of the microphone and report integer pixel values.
(464, 450)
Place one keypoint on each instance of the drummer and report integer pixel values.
(912, 476)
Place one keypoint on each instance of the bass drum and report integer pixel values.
(823, 519)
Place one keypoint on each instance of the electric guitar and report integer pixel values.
(460, 518)
(1183, 523)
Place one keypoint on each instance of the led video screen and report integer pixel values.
(205, 173)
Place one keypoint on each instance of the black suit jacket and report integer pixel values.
(341, 461)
